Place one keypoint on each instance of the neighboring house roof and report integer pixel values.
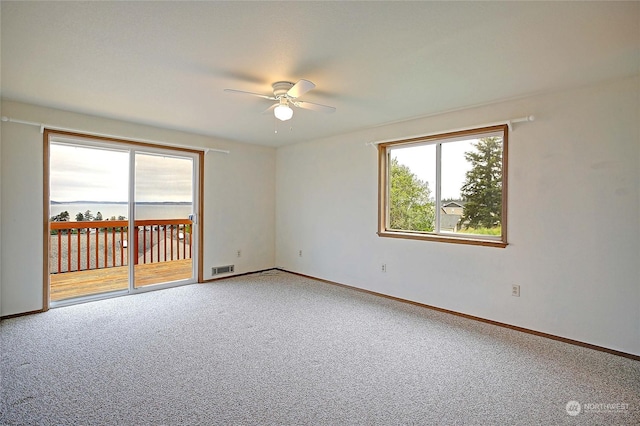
(454, 204)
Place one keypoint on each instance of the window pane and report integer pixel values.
(163, 186)
(412, 179)
(472, 186)
(163, 190)
(88, 174)
(87, 184)
(454, 169)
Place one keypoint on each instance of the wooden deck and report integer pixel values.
(95, 281)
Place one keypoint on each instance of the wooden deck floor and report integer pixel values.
(95, 281)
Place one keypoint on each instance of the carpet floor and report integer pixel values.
(278, 349)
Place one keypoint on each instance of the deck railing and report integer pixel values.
(78, 246)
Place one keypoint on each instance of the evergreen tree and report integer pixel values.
(79, 217)
(62, 217)
(410, 207)
(482, 189)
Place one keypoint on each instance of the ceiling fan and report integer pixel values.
(286, 94)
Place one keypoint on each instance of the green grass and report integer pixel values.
(497, 231)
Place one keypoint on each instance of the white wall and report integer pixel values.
(239, 199)
(574, 219)
(0, 208)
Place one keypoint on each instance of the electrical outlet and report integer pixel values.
(300, 253)
(384, 268)
(239, 253)
(515, 290)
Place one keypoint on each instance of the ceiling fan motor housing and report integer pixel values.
(280, 88)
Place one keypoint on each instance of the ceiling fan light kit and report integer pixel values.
(286, 94)
(283, 112)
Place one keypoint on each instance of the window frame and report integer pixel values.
(438, 139)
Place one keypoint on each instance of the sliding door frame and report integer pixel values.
(127, 144)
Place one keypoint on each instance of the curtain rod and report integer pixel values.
(509, 123)
(63, 129)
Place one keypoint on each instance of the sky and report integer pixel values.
(421, 161)
(92, 174)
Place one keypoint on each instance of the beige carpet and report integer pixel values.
(275, 348)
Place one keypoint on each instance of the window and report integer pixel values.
(450, 187)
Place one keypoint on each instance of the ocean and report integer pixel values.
(108, 210)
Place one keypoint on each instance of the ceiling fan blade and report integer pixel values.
(242, 92)
(270, 109)
(314, 107)
(300, 88)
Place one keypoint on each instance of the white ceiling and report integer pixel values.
(166, 63)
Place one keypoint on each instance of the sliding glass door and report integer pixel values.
(89, 189)
(164, 206)
(122, 218)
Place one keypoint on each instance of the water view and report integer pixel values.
(109, 210)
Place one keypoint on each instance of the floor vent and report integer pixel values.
(221, 269)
